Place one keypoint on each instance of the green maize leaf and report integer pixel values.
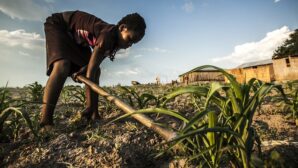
(249, 144)
(146, 98)
(253, 103)
(211, 124)
(5, 99)
(230, 148)
(203, 152)
(234, 84)
(246, 90)
(215, 86)
(195, 119)
(3, 116)
(234, 102)
(226, 110)
(206, 140)
(203, 131)
(198, 90)
(211, 135)
(189, 140)
(130, 91)
(5, 113)
(256, 100)
(154, 110)
(219, 146)
(125, 89)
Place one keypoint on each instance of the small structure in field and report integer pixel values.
(135, 83)
(262, 70)
(157, 79)
(174, 82)
(198, 75)
(286, 67)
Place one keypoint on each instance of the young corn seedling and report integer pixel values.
(142, 100)
(73, 94)
(11, 116)
(36, 92)
(66, 95)
(79, 95)
(222, 132)
(289, 100)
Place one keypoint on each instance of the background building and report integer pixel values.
(286, 68)
(262, 70)
(198, 75)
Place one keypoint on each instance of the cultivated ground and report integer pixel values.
(127, 143)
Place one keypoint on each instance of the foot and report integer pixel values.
(45, 123)
(46, 132)
(95, 116)
(46, 129)
(86, 113)
(89, 114)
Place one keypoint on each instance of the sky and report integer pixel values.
(180, 35)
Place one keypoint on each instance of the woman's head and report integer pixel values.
(131, 29)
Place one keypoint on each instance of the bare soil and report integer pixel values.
(125, 143)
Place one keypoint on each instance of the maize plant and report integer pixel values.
(104, 103)
(142, 100)
(36, 92)
(73, 94)
(11, 116)
(289, 101)
(221, 132)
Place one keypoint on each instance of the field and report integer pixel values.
(218, 125)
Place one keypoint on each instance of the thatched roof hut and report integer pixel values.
(262, 70)
(286, 67)
(198, 75)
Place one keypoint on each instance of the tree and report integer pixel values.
(289, 47)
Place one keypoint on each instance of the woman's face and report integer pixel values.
(126, 37)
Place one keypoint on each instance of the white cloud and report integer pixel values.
(128, 72)
(254, 51)
(275, 1)
(123, 53)
(155, 49)
(138, 56)
(23, 53)
(21, 38)
(188, 6)
(24, 10)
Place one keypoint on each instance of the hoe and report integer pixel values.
(148, 122)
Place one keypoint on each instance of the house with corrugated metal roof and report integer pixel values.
(198, 75)
(262, 70)
(276, 69)
(286, 67)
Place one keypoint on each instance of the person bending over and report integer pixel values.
(76, 44)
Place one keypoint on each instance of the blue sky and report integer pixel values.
(180, 35)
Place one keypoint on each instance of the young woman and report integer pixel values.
(76, 44)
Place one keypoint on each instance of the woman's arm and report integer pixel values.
(96, 58)
(93, 74)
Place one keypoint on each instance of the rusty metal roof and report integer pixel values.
(285, 56)
(255, 63)
(199, 69)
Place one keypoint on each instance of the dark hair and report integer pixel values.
(134, 22)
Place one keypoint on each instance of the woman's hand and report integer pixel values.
(75, 75)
